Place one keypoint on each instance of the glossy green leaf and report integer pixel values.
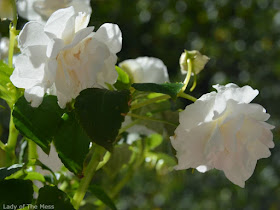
(72, 143)
(38, 124)
(101, 113)
(53, 198)
(5, 172)
(102, 195)
(16, 192)
(123, 81)
(171, 89)
(32, 175)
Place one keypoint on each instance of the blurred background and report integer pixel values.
(242, 38)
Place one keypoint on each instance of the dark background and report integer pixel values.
(242, 39)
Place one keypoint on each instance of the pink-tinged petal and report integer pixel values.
(34, 95)
(60, 24)
(26, 75)
(32, 34)
(111, 35)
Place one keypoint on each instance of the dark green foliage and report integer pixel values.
(53, 198)
(171, 89)
(101, 113)
(16, 192)
(38, 124)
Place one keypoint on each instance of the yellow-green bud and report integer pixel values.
(199, 61)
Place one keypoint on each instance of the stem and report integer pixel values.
(13, 34)
(149, 101)
(97, 156)
(188, 77)
(128, 126)
(194, 82)
(12, 140)
(151, 119)
(2, 145)
(32, 152)
(187, 96)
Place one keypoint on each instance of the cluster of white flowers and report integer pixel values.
(223, 130)
(64, 57)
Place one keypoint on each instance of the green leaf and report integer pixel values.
(5, 172)
(101, 113)
(123, 81)
(7, 90)
(72, 143)
(38, 124)
(15, 191)
(102, 195)
(32, 175)
(153, 141)
(53, 198)
(171, 89)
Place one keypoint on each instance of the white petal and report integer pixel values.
(242, 95)
(61, 24)
(54, 47)
(81, 21)
(34, 95)
(133, 69)
(32, 34)
(25, 74)
(111, 35)
(81, 6)
(26, 10)
(189, 145)
(154, 70)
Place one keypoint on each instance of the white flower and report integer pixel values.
(223, 130)
(65, 57)
(41, 10)
(199, 61)
(4, 47)
(6, 10)
(145, 70)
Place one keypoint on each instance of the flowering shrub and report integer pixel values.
(66, 90)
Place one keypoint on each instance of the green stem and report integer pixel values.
(151, 119)
(149, 101)
(13, 34)
(97, 157)
(128, 126)
(32, 152)
(194, 82)
(188, 77)
(187, 96)
(12, 141)
(2, 145)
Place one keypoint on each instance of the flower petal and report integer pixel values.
(32, 34)
(111, 35)
(154, 70)
(34, 95)
(60, 24)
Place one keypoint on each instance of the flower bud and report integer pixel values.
(199, 61)
(6, 10)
